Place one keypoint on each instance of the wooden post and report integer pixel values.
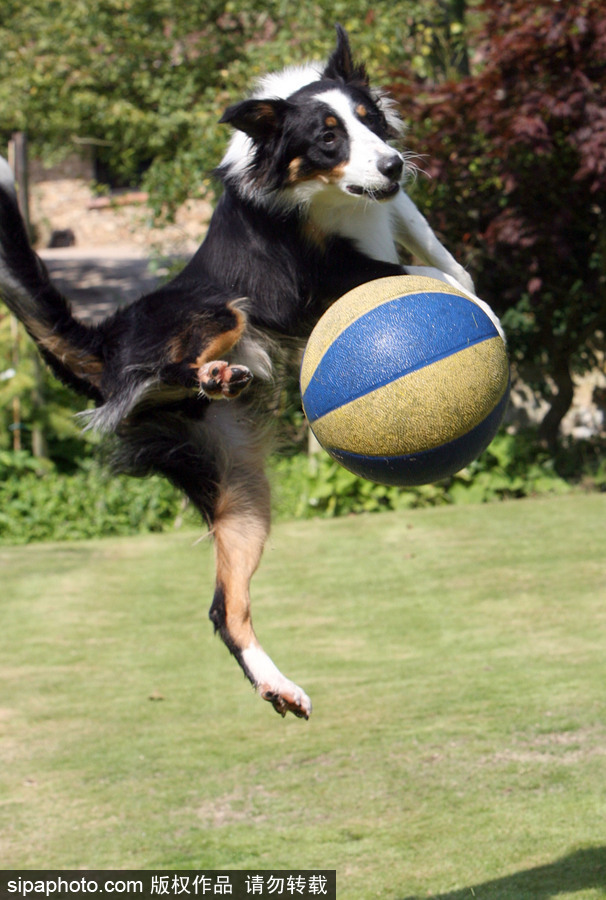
(16, 429)
(39, 442)
(17, 158)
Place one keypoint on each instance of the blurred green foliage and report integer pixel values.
(144, 82)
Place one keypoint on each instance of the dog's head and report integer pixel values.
(315, 129)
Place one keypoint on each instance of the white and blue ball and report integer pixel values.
(405, 380)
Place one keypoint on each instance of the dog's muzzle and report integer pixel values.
(391, 167)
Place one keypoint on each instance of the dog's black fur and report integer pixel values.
(264, 274)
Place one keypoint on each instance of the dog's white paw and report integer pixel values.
(287, 697)
(283, 694)
(462, 280)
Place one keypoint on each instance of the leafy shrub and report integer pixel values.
(512, 466)
(21, 462)
(38, 505)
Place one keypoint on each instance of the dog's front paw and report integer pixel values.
(466, 281)
(288, 698)
(219, 379)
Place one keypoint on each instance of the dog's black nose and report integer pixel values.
(391, 167)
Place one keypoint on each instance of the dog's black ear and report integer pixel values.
(260, 119)
(341, 64)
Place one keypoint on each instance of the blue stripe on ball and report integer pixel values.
(429, 465)
(432, 326)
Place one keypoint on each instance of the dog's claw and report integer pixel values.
(297, 702)
(220, 379)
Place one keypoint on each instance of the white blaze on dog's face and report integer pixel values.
(354, 156)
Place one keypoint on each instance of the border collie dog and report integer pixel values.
(184, 378)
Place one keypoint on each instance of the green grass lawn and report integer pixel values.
(456, 659)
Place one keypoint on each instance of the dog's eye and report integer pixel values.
(329, 137)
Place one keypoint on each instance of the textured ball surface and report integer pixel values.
(405, 380)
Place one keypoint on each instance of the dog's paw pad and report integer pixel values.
(220, 379)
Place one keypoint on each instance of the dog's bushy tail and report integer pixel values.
(72, 349)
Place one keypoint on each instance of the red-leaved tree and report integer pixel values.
(517, 152)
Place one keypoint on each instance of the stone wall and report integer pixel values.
(62, 200)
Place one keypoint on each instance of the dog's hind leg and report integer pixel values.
(240, 527)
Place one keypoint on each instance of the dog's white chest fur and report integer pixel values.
(368, 224)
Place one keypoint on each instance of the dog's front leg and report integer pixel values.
(240, 527)
(413, 231)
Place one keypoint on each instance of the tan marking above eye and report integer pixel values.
(361, 110)
(330, 122)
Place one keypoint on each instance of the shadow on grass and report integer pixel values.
(579, 871)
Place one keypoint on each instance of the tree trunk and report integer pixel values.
(560, 404)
